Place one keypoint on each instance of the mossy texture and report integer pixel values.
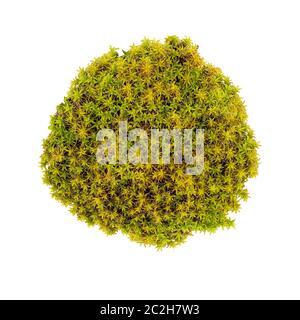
(152, 85)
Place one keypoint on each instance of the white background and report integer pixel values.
(46, 253)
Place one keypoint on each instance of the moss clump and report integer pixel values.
(152, 85)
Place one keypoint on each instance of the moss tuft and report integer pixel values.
(152, 85)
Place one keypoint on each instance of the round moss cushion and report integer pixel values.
(152, 85)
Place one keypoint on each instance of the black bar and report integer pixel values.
(129, 309)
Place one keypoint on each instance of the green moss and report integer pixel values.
(152, 85)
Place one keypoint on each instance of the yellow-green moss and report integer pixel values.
(152, 85)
